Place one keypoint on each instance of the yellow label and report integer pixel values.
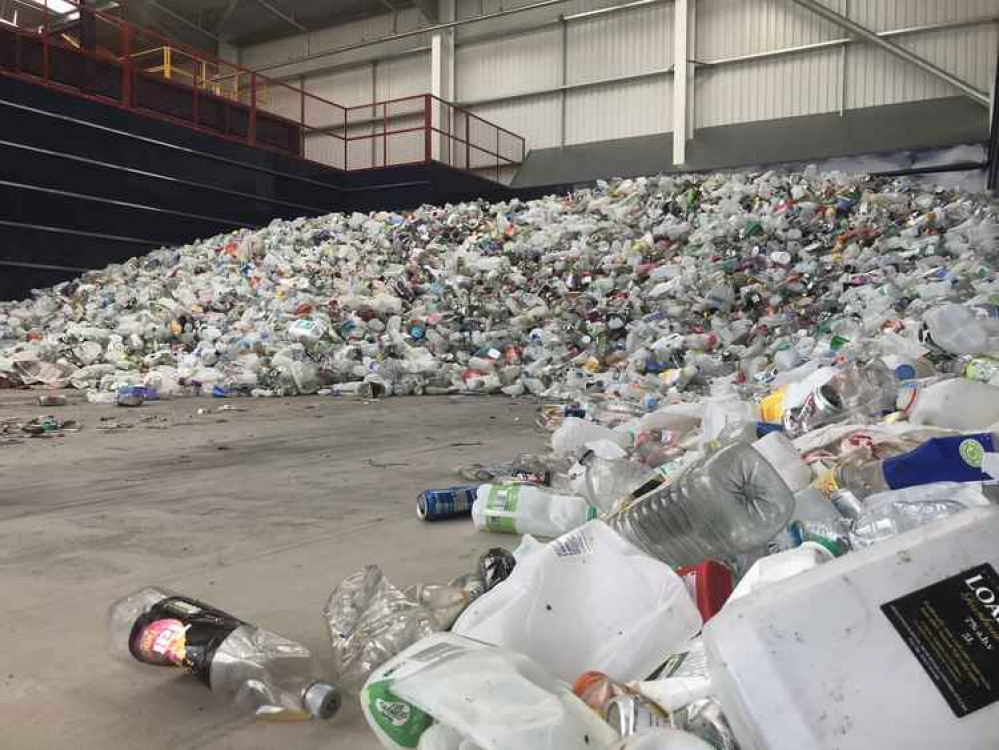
(826, 482)
(772, 407)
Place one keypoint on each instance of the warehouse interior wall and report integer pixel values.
(583, 71)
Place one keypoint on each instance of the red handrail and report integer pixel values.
(438, 115)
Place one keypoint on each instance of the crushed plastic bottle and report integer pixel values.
(370, 621)
(258, 670)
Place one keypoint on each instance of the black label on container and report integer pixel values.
(181, 632)
(952, 628)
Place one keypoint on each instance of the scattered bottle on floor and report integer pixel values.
(726, 503)
(258, 670)
(526, 509)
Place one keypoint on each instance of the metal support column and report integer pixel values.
(992, 175)
(565, 78)
(901, 52)
(442, 80)
(680, 18)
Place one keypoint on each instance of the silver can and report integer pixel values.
(629, 714)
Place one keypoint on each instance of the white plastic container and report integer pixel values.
(827, 660)
(526, 509)
(588, 600)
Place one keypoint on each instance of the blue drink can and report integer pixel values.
(436, 505)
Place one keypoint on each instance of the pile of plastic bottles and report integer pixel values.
(767, 519)
(633, 289)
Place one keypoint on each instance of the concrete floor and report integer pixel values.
(259, 512)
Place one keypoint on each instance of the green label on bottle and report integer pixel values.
(501, 508)
(401, 721)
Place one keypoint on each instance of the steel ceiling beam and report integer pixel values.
(413, 32)
(226, 15)
(429, 9)
(898, 51)
(183, 20)
(282, 15)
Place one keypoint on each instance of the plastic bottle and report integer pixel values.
(956, 404)
(576, 432)
(982, 369)
(611, 481)
(947, 459)
(596, 689)
(958, 329)
(854, 392)
(527, 509)
(447, 601)
(888, 514)
(255, 668)
(729, 502)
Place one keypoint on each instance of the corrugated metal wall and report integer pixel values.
(875, 77)
(783, 87)
(512, 70)
(826, 80)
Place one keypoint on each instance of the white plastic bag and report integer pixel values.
(587, 601)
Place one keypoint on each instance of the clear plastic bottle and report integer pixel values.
(527, 509)
(855, 392)
(729, 502)
(258, 670)
(948, 459)
(959, 329)
(609, 481)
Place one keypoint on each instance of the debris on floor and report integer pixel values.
(767, 518)
(258, 670)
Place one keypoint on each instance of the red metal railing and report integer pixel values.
(98, 55)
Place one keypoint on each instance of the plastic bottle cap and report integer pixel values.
(322, 700)
(587, 680)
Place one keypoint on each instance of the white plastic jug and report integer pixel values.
(587, 601)
(527, 509)
(894, 646)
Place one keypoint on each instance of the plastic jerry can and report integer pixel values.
(894, 646)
